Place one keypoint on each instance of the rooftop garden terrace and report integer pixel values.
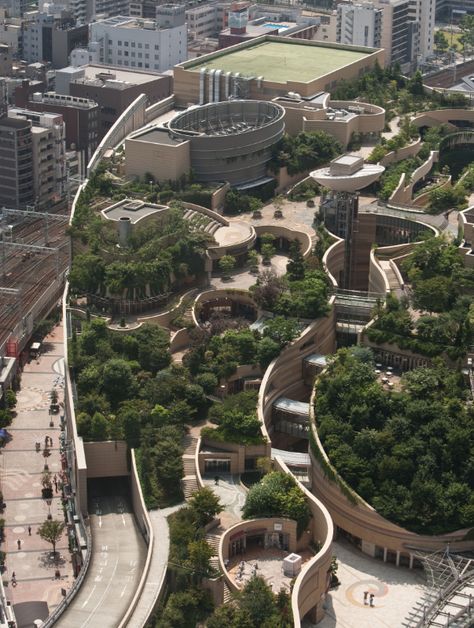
(434, 317)
(406, 453)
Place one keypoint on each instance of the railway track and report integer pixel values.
(31, 272)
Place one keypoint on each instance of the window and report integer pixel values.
(133, 44)
(125, 43)
(119, 43)
(147, 46)
(147, 56)
(140, 45)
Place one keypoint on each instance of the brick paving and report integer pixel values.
(21, 467)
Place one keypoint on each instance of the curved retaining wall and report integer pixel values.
(378, 281)
(404, 193)
(284, 377)
(402, 153)
(144, 523)
(333, 260)
(440, 116)
(240, 296)
(279, 231)
(311, 585)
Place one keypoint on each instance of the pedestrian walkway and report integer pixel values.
(395, 591)
(21, 468)
(158, 566)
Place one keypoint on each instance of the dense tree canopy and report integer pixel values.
(278, 495)
(304, 151)
(408, 453)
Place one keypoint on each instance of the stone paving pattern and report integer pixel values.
(20, 472)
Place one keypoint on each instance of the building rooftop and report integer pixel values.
(281, 60)
(157, 135)
(112, 76)
(131, 209)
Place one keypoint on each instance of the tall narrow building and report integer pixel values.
(16, 163)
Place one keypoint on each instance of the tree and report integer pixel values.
(51, 531)
(253, 259)
(117, 380)
(227, 265)
(258, 601)
(441, 42)
(282, 330)
(434, 294)
(467, 30)
(296, 265)
(205, 505)
(268, 289)
(10, 398)
(99, 427)
(200, 553)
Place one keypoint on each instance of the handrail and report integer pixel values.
(62, 606)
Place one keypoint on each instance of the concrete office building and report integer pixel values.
(10, 35)
(48, 152)
(453, 9)
(80, 115)
(268, 67)
(206, 20)
(16, 163)
(359, 25)
(51, 38)
(150, 45)
(112, 88)
(6, 61)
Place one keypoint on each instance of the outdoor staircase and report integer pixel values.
(189, 482)
(201, 222)
(227, 593)
(213, 540)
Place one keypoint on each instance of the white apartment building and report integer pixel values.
(207, 20)
(48, 152)
(146, 44)
(423, 12)
(359, 24)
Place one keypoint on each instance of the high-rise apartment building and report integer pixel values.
(423, 12)
(143, 44)
(80, 115)
(359, 24)
(48, 154)
(16, 163)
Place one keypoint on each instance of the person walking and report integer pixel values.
(366, 593)
(13, 579)
(18, 544)
(372, 600)
(29, 530)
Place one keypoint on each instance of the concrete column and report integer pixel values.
(384, 554)
(398, 560)
(411, 562)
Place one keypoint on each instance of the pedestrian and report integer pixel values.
(18, 544)
(29, 530)
(45, 441)
(14, 579)
(366, 593)
(371, 599)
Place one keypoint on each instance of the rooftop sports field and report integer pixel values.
(281, 62)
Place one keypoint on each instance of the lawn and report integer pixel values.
(281, 62)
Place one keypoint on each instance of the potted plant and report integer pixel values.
(47, 490)
(54, 405)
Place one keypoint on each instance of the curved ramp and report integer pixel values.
(118, 557)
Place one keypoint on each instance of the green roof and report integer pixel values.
(281, 62)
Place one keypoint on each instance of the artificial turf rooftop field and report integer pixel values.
(281, 62)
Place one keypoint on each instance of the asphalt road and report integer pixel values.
(118, 557)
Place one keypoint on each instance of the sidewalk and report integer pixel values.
(21, 467)
(158, 566)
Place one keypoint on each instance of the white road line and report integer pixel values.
(89, 596)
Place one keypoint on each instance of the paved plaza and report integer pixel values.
(21, 469)
(269, 564)
(395, 589)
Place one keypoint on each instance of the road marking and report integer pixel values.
(123, 520)
(100, 521)
(89, 597)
